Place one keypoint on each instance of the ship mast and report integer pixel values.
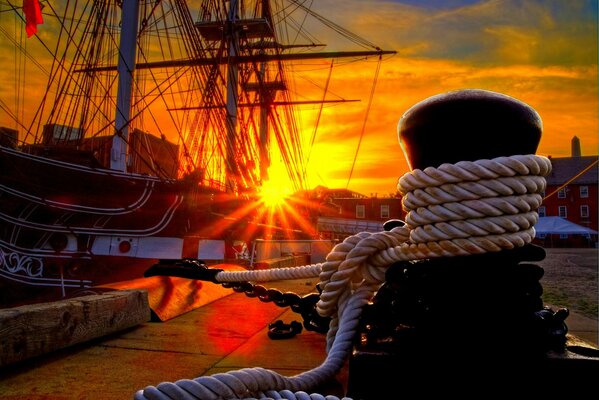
(240, 54)
(265, 90)
(232, 98)
(243, 35)
(125, 68)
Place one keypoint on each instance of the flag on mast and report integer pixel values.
(33, 16)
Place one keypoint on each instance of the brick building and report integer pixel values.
(572, 194)
(343, 212)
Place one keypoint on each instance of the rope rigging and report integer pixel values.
(471, 208)
(82, 95)
(363, 130)
(337, 28)
(324, 96)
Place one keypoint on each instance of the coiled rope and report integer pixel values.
(453, 210)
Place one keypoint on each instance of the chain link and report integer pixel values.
(303, 305)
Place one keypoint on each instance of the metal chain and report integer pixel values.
(303, 305)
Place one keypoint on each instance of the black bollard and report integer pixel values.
(469, 326)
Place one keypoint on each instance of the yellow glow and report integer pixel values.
(274, 192)
(273, 195)
(521, 60)
(277, 187)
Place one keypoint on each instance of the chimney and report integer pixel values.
(576, 147)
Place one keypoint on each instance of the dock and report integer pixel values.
(228, 333)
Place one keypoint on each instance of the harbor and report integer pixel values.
(229, 333)
(226, 333)
(168, 231)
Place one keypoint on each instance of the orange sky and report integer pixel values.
(543, 52)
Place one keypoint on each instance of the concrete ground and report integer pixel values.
(227, 334)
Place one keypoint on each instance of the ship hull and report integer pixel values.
(66, 227)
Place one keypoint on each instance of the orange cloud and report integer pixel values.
(541, 52)
(565, 97)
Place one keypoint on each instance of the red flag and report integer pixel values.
(33, 16)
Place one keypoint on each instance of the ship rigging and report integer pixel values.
(156, 129)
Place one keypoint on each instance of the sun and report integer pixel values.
(274, 194)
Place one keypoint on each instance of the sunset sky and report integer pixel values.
(542, 52)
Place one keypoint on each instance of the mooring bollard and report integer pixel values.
(454, 325)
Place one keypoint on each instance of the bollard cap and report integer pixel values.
(467, 125)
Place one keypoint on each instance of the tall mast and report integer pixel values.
(266, 98)
(125, 68)
(232, 96)
(265, 102)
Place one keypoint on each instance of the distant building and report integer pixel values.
(148, 154)
(342, 212)
(572, 194)
(8, 137)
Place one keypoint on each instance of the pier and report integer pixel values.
(228, 332)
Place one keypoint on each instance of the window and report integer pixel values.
(541, 211)
(562, 211)
(384, 210)
(561, 194)
(584, 211)
(563, 236)
(584, 192)
(542, 235)
(360, 211)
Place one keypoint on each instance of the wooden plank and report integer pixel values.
(36, 329)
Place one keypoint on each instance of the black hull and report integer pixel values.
(66, 227)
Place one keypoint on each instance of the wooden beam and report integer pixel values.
(254, 59)
(36, 329)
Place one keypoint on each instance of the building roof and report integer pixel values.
(559, 225)
(566, 168)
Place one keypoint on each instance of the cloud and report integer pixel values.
(546, 32)
(566, 98)
(543, 52)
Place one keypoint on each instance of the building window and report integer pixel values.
(584, 192)
(562, 212)
(584, 211)
(384, 210)
(542, 235)
(563, 236)
(360, 211)
(561, 194)
(541, 211)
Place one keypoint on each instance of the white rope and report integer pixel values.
(274, 274)
(453, 210)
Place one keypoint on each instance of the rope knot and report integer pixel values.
(472, 207)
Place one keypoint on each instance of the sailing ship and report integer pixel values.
(152, 135)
